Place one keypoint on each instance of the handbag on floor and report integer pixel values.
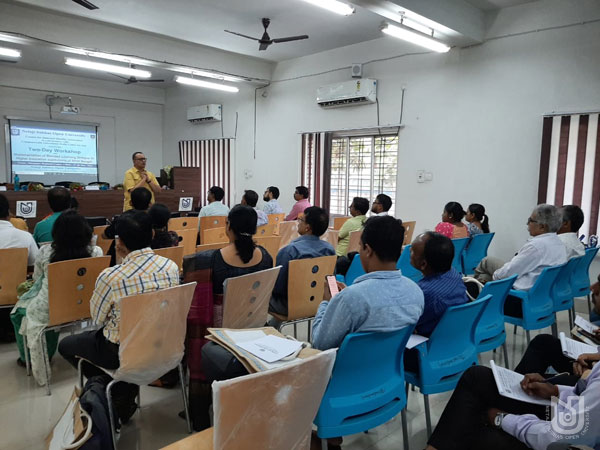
(73, 428)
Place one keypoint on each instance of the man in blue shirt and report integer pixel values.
(271, 204)
(381, 300)
(432, 254)
(310, 228)
(59, 200)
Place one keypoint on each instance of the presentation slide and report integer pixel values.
(49, 152)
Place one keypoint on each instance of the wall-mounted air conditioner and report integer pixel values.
(348, 93)
(204, 113)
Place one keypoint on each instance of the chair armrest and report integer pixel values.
(340, 278)
(517, 293)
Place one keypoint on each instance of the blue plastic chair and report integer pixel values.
(537, 302)
(490, 333)
(354, 271)
(580, 281)
(562, 292)
(459, 248)
(450, 350)
(475, 252)
(367, 385)
(405, 266)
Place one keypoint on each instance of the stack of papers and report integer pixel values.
(271, 348)
(415, 339)
(572, 348)
(585, 325)
(509, 385)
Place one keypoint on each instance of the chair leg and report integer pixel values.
(323, 444)
(505, 354)
(185, 400)
(309, 327)
(427, 415)
(554, 327)
(80, 372)
(295, 330)
(26, 351)
(528, 337)
(589, 302)
(515, 329)
(406, 391)
(46, 361)
(404, 428)
(111, 415)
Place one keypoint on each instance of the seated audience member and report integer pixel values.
(250, 198)
(161, 237)
(59, 200)
(210, 269)
(11, 237)
(381, 205)
(477, 220)
(432, 253)
(310, 228)
(451, 225)
(478, 417)
(572, 220)
(215, 205)
(141, 271)
(358, 211)
(381, 300)
(270, 198)
(71, 239)
(301, 197)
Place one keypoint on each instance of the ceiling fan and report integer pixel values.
(266, 40)
(132, 80)
(85, 4)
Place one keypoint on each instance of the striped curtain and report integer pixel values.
(570, 166)
(315, 167)
(215, 158)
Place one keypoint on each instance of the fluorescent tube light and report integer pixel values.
(405, 33)
(10, 52)
(416, 26)
(110, 68)
(205, 84)
(111, 56)
(215, 75)
(333, 6)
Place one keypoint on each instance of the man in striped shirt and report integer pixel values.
(141, 271)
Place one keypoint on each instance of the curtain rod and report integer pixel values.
(375, 127)
(570, 113)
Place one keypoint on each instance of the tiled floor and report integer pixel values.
(27, 413)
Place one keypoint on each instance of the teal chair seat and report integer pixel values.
(405, 266)
(580, 281)
(475, 252)
(459, 248)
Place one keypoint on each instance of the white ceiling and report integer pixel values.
(489, 5)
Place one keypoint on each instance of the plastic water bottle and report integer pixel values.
(16, 182)
(593, 242)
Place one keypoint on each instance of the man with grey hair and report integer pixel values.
(572, 220)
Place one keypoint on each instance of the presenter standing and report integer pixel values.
(137, 177)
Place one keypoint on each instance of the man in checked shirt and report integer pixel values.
(141, 271)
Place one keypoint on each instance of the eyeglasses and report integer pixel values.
(530, 220)
(140, 159)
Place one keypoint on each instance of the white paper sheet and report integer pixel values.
(509, 385)
(415, 339)
(271, 348)
(585, 325)
(244, 336)
(572, 348)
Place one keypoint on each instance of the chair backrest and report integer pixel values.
(187, 239)
(101, 242)
(70, 287)
(288, 231)
(476, 251)
(204, 247)
(183, 223)
(96, 221)
(491, 323)
(339, 221)
(175, 254)
(270, 244)
(243, 406)
(331, 236)
(267, 230)
(13, 271)
(306, 283)
(208, 222)
(459, 248)
(406, 267)
(562, 290)
(246, 299)
(354, 271)
(409, 229)
(377, 360)
(276, 218)
(214, 235)
(152, 333)
(540, 304)
(354, 243)
(580, 280)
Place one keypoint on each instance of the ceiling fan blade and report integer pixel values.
(151, 81)
(85, 4)
(242, 35)
(118, 76)
(264, 45)
(291, 38)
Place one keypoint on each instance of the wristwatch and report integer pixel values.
(498, 419)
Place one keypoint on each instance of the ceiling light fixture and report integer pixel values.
(417, 26)
(10, 52)
(110, 68)
(216, 76)
(111, 56)
(205, 84)
(334, 6)
(415, 37)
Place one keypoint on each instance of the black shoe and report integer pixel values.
(21, 363)
(125, 412)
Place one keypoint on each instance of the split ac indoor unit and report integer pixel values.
(204, 113)
(348, 93)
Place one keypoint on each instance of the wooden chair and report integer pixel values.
(204, 247)
(276, 218)
(183, 223)
(102, 242)
(306, 284)
(237, 421)
(246, 299)
(175, 254)
(152, 332)
(269, 229)
(331, 236)
(214, 236)
(13, 271)
(354, 243)
(187, 240)
(339, 221)
(288, 232)
(409, 229)
(70, 287)
(270, 244)
(208, 222)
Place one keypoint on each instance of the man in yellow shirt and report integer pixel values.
(137, 177)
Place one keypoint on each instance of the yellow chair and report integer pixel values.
(187, 240)
(409, 228)
(276, 218)
(270, 244)
(331, 236)
(175, 254)
(214, 236)
(183, 223)
(354, 243)
(205, 247)
(269, 229)
(208, 222)
(339, 221)
(288, 231)
(102, 242)
(13, 271)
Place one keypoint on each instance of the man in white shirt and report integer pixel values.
(572, 220)
(271, 204)
(11, 237)
(381, 205)
(215, 205)
(250, 198)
